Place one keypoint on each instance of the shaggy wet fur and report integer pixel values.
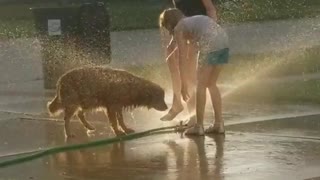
(92, 88)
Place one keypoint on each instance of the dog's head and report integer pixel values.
(156, 100)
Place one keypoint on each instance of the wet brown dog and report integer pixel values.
(92, 88)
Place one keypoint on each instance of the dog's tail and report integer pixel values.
(54, 106)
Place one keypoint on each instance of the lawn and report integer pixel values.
(261, 10)
(16, 19)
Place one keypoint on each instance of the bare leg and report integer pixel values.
(202, 84)
(203, 79)
(173, 64)
(69, 112)
(192, 77)
(218, 126)
(84, 121)
(114, 123)
(122, 124)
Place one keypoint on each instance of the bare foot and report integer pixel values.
(90, 133)
(172, 114)
(90, 127)
(120, 133)
(215, 129)
(129, 131)
(192, 121)
(195, 130)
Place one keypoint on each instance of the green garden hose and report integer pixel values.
(51, 151)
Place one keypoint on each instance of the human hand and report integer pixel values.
(185, 94)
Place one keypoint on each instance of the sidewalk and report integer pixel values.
(20, 59)
(262, 141)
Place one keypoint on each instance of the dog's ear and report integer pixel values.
(148, 93)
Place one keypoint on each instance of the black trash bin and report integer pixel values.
(72, 36)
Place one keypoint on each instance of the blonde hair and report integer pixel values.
(169, 18)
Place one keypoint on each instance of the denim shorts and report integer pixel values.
(215, 57)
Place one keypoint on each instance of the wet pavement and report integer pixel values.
(274, 149)
(263, 141)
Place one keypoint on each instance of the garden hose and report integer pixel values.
(51, 151)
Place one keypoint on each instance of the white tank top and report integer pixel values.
(210, 35)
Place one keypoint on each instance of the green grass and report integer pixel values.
(134, 14)
(16, 19)
(261, 10)
(16, 28)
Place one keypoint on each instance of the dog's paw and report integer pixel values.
(90, 127)
(129, 131)
(120, 133)
(70, 136)
(90, 133)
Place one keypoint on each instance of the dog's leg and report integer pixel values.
(69, 112)
(84, 121)
(122, 124)
(114, 123)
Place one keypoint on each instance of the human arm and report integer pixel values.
(211, 9)
(171, 49)
(183, 50)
